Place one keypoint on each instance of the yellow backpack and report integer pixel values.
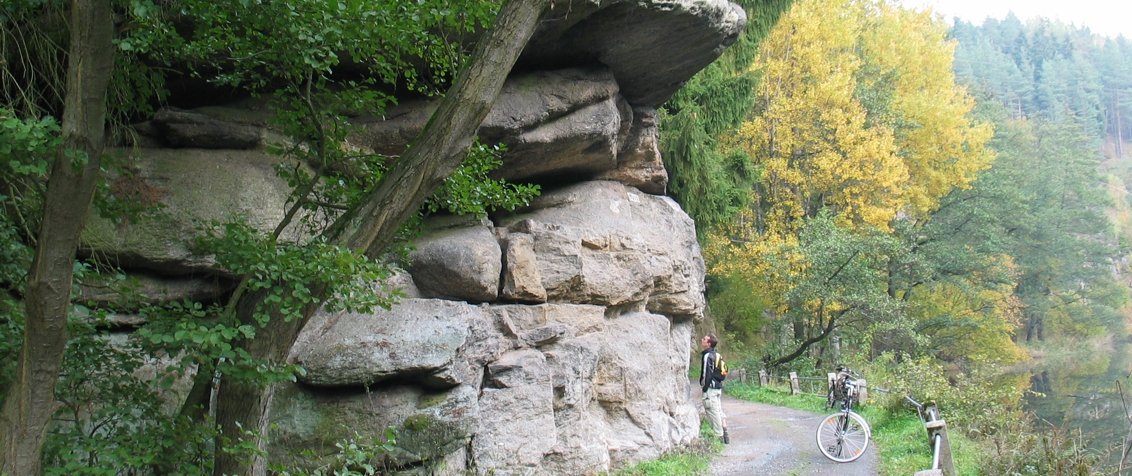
(720, 367)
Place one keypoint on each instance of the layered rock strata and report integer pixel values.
(551, 340)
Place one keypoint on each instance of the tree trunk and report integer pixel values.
(70, 188)
(434, 155)
(1119, 126)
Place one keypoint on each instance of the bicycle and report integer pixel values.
(843, 436)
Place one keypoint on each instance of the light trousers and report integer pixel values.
(714, 410)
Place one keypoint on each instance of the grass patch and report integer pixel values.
(775, 396)
(904, 448)
(694, 460)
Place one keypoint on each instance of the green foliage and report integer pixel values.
(976, 401)
(359, 456)
(679, 463)
(470, 190)
(27, 149)
(1021, 450)
(260, 42)
(1050, 70)
(319, 63)
(713, 184)
(290, 273)
(741, 315)
(26, 143)
(35, 37)
(904, 447)
(828, 278)
(773, 396)
(11, 340)
(112, 419)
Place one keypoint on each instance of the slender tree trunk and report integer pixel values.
(1119, 126)
(31, 397)
(434, 155)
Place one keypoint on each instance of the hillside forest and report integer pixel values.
(940, 204)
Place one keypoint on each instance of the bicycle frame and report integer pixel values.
(843, 436)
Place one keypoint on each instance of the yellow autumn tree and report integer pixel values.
(858, 122)
(859, 114)
(809, 133)
(908, 84)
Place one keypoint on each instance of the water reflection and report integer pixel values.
(1081, 393)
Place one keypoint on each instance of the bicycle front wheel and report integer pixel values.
(843, 436)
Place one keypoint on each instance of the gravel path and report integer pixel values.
(770, 440)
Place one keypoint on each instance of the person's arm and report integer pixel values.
(703, 372)
(708, 370)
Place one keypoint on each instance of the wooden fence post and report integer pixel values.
(743, 375)
(763, 380)
(939, 427)
(795, 388)
(862, 391)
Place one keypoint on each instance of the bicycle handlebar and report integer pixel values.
(844, 369)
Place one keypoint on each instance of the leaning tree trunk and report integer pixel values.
(434, 155)
(31, 397)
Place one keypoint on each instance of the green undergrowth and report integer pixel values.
(693, 460)
(898, 435)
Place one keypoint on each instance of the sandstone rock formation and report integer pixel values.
(550, 340)
(595, 375)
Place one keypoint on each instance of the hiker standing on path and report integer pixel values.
(712, 386)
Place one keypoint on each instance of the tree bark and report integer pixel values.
(434, 155)
(31, 397)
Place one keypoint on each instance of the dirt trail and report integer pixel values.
(770, 440)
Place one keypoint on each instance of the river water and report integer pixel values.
(1084, 393)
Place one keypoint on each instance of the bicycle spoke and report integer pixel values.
(843, 436)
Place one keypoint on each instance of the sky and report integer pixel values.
(1104, 17)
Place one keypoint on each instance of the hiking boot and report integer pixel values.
(726, 439)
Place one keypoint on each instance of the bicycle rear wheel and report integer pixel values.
(843, 436)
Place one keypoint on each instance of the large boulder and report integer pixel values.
(195, 186)
(151, 289)
(195, 130)
(521, 279)
(605, 243)
(428, 425)
(556, 124)
(638, 161)
(552, 340)
(624, 385)
(618, 396)
(460, 262)
(629, 37)
(516, 415)
(418, 339)
(548, 388)
(576, 146)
